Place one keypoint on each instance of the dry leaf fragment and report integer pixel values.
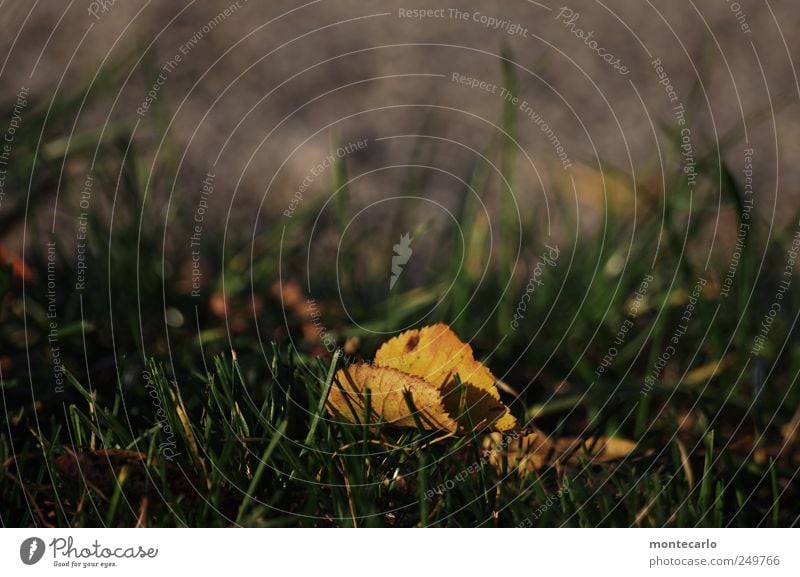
(528, 452)
(535, 450)
(603, 449)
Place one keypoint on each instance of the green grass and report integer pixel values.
(240, 404)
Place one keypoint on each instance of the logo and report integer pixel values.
(31, 551)
(402, 252)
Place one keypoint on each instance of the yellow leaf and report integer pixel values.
(443, 408)
(435, 354)
(387, 401)
(424, 362)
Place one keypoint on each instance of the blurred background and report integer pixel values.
(260, 93)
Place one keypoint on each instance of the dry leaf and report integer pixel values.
(424, 363)
(604, 449)
(387, 399)
(528, 452)
(435, 353)
(535, 450)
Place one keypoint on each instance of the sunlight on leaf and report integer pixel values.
(425, 363)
